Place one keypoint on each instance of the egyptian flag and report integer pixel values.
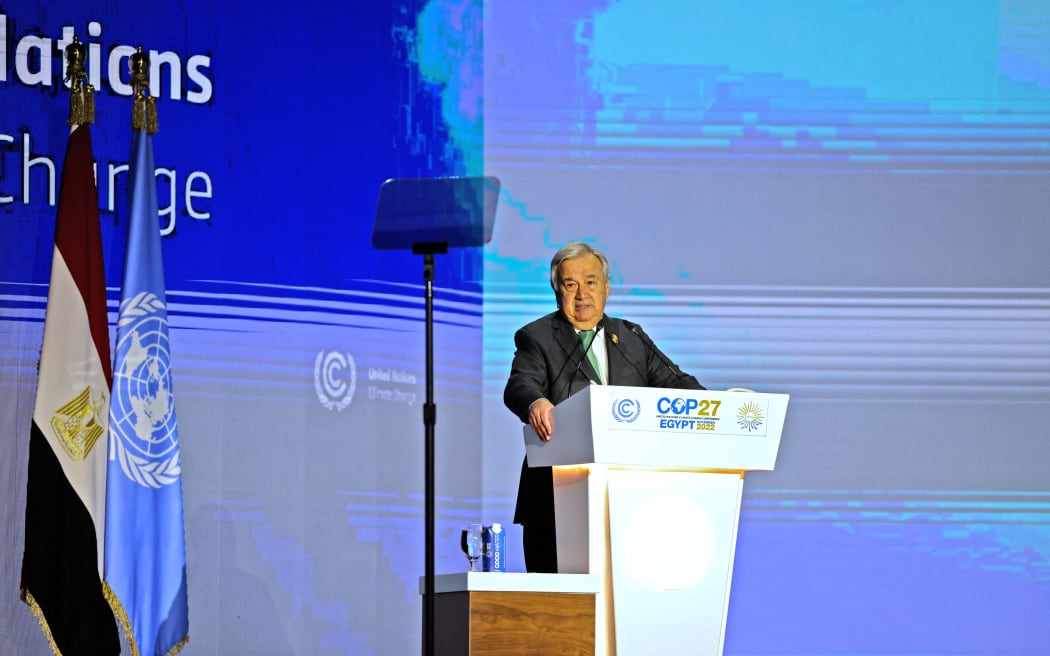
(65, 500)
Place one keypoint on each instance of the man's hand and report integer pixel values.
(541, 420)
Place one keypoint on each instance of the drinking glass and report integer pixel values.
(470, 543)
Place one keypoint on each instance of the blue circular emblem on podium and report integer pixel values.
(626, 410)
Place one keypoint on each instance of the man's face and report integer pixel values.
(582, 291)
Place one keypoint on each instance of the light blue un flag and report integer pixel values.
(145, 566)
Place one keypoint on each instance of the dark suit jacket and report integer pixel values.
(549, 363)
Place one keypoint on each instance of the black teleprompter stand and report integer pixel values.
(428, 216)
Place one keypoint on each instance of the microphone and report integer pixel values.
(562, 369)
(598, 326)
(678, 373)
(630, 360)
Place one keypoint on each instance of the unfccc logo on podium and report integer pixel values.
(626, 410)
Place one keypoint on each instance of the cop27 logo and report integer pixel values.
(680, 406)
(750, 416)
(626, 410)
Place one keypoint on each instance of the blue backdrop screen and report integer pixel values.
(846, 202)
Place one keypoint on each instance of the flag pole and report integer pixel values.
(145, 571)
(81, 92)
(144, 105)
(66, 482)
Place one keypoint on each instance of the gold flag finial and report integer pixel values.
(144, 109)
(81, 93)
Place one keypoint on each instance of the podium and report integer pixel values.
(647, 489)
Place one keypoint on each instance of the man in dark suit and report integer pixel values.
(560, 354)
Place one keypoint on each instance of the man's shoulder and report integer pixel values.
(614, 323)
(543, 324)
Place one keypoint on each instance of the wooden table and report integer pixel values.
(500, 613)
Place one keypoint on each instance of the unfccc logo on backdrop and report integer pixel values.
(335, 379)
(626, 410)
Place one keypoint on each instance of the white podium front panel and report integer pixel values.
(672, 539)
(663, 428)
